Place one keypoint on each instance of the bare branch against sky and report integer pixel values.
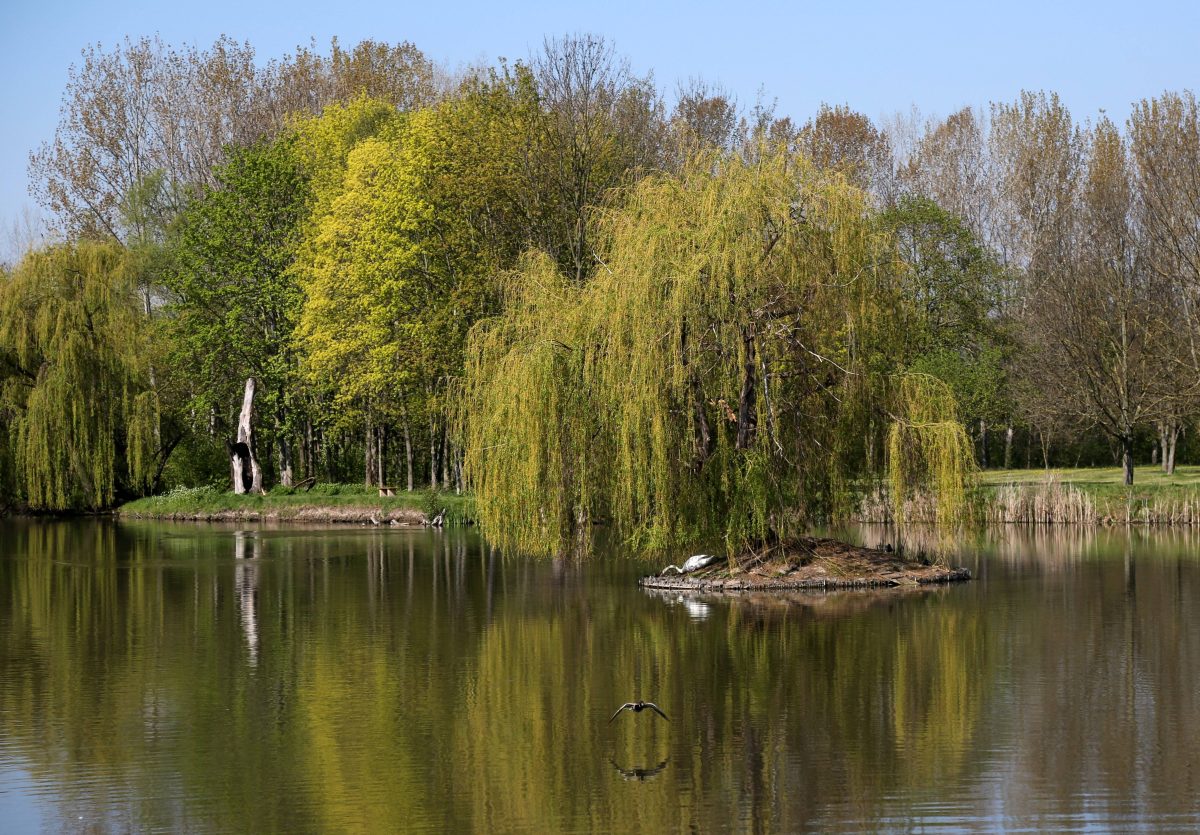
(879, 58)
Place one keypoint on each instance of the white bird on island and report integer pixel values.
(693, 563)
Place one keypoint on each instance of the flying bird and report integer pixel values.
(638, 707)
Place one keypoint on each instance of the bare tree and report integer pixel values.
(1037, 152)
(1092, 321)
(845, 140)
(602, 125)
(147, 123)
(1165, 146)
(140, 111)
(25, 232)
(950, 165)
(705, 116)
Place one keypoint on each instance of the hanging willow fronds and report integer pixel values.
(711, 381)
(928, 448)
(70, 320)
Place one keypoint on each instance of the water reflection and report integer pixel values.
(245, 580)
(639, 774)
(175, 678)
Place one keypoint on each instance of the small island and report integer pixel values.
(810, 563)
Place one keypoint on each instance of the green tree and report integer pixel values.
(75, 399)
(955, 288)
(397, 267)
(233, 302)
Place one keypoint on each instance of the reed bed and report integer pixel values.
(1050, 501)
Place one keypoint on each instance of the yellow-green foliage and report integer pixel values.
(928, 448)
(530, 425)
(70, 321)
(760, 275)
(362, 286)
(323, 143)
(389, 267)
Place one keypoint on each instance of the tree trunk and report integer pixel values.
(433, 463)
(983, 443)
(381, 455)
(244, 468)
(1154, 454)
(1176, 431)
(369, 453)
(286, 464)
(1162, 444)
(445, 460)
(286, 467)
(1127, 458)
(408, 451)
(1008, 445)
(309, 454)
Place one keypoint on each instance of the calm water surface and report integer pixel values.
(159, 677)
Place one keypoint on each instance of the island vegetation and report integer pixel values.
(580, 299)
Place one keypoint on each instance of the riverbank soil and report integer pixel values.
(811, 563)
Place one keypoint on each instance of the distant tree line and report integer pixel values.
(371, 238)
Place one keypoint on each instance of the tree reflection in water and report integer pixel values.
(195, 678)
(245, 580)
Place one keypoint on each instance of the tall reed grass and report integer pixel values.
(1050, 502)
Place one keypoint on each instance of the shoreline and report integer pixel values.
(330, 514)
(326, 504)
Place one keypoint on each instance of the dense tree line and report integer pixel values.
(541, 277)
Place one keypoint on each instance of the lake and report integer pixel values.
(176, 677)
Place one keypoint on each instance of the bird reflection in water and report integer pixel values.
(639, 774)
(696, 609)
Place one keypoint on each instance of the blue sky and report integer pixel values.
(878, 57)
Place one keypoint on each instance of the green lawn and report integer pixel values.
(284, 503)
(1146, 476)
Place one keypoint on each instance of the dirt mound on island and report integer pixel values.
(811, 563)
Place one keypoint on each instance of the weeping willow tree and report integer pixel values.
(718, 377)
(81, 418)
(929, 453)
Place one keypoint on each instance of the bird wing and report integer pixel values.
(625, 706)
(656, 709)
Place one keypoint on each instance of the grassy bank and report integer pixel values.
(1089, 496)
(350, 503)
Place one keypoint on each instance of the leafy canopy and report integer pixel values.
(74, 389)
(713, 381)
